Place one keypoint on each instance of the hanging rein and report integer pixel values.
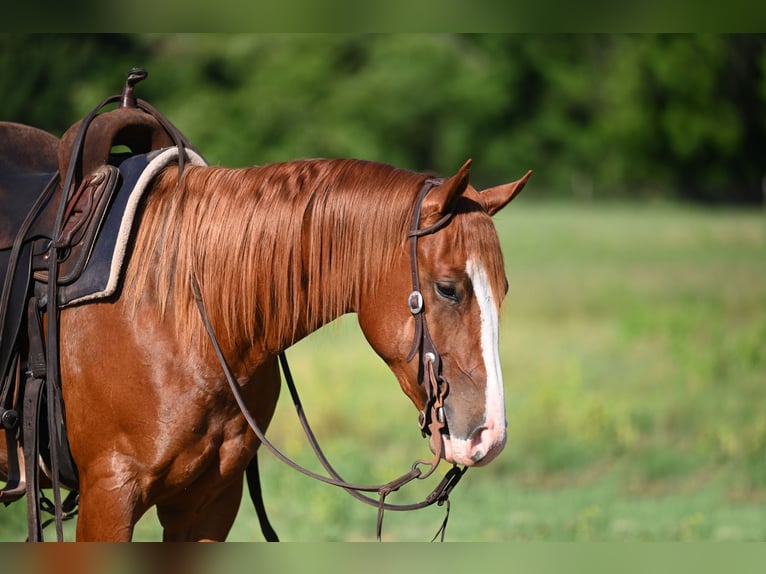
(431, 419)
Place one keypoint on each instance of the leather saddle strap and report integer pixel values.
(33, 395)
(37, 366)
(55, 426)
(32, 400)
(21, 237)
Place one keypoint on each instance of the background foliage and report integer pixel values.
(634, 337)
(593, 115)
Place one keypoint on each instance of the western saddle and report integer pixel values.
(54, 195)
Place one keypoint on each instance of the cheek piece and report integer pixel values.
(431, 419)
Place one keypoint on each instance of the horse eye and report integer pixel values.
(447, 291)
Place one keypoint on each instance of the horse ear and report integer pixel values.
(440, 199)
(496, 198)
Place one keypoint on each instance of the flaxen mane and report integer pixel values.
(257, 238)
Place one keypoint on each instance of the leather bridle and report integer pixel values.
(431, 419)
(429, 370)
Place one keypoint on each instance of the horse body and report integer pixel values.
(278, 252)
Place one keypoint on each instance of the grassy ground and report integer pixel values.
(634, 355)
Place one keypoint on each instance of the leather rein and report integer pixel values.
(431, 419)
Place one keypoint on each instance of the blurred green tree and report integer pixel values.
(594, 115)
(50, 80)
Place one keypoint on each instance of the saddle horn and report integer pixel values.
(135, 75)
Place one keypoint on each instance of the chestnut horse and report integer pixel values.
(277, 251)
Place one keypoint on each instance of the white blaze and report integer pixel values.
(487, 443)
(490, 328)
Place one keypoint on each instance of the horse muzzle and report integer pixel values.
(477, 448)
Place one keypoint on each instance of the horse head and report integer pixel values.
(458, 267)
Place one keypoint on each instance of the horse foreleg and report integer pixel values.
(110, 506)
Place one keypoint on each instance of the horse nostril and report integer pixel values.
(484, 443)
(477, 431)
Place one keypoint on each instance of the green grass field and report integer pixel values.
(634, 356)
